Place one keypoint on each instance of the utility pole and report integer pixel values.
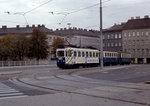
(101, 36)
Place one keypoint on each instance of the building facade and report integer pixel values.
(136, 39)
(112, 38)
(80, 37)
(73, 36)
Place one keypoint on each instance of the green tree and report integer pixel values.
(58, 42)
(38, 45)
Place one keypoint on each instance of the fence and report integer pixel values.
(26, 63)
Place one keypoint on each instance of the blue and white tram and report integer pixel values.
(75, 57)
(124, 58)
(110, 58)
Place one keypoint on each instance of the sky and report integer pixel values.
(78, 13)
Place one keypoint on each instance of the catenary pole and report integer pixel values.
(101, 36)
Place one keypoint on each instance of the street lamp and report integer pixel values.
(101, 36)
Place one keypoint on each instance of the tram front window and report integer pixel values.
(60, 53)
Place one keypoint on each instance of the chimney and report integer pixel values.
(123, 23)
(17, 26)
(33, 26)
(132, 18)
(27, 26)
(146, 16)
(43, 25)
(39, 25)
(137, 17)
(4, 27)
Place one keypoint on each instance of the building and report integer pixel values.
(73, 36)
(112, 38)
(79, 37)
(23, 30)
(136, 39)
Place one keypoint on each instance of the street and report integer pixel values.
(113, 86)
(135, 74)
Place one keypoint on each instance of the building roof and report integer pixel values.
(138, 23)
(62, 32)
(23, 30)
(115, 27)
(76, 31)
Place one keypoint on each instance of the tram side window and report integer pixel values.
(86, 54)
(90, 54)
(93, 54)
(69, 53)
(66, 53)
(83, 54)
(79, 54)
(96, 54)
(110, 55)
(75, 53)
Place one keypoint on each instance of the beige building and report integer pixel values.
(73, 36)
(79, 37)
(136, 39)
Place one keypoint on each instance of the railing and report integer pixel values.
(26, 63)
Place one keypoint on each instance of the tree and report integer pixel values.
(58, 42)
(38, 45)
(19, 43)
(6, 47)
(12, 47)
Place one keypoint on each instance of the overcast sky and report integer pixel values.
(53, 12)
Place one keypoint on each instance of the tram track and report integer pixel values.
(57, 76)
(83, 94)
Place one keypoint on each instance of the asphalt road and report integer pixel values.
(135, 74)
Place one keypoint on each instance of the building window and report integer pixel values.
(112, 36)
(133, 33)
(103, 44)
(138, 33)
(112, 44)
(125, 35)
(147, 51)
(108, 36)
(134, 51)
(116, 36)
(50, 39)
(116, 44)
(129, 34)
(119, 44)
(108, 44)
(119, 35)
(146, 33)
(142, 33)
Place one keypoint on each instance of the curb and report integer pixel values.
(10, 73)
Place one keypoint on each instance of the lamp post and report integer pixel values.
(101, 36)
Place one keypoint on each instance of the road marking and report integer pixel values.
(8, 92)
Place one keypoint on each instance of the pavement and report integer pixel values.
(74, 90)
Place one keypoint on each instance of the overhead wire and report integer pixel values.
(24, 13)
(68, 13)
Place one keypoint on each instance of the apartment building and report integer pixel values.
(136, 39)
(112, 38)
(73, 36)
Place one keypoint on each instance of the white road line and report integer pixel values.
(8, 92)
